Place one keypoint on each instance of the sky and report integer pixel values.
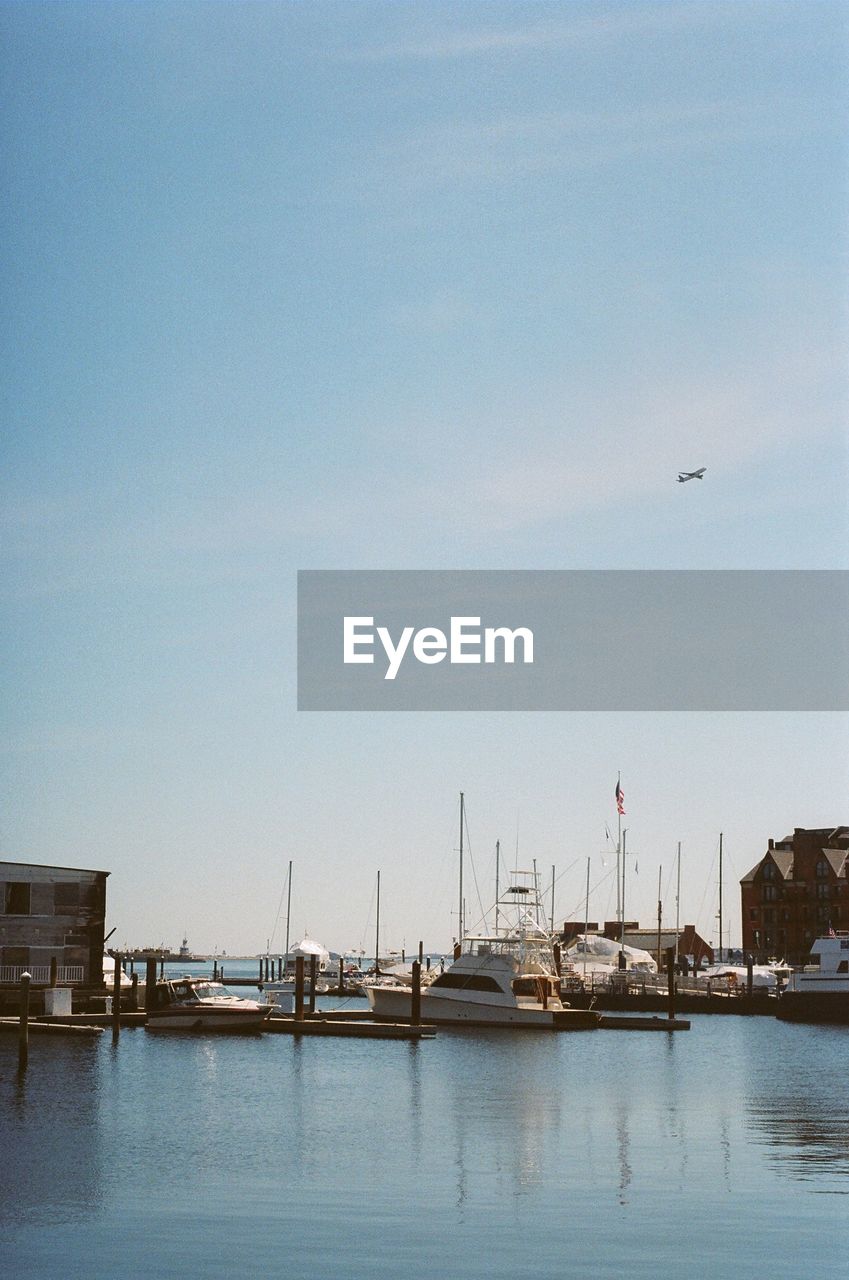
(402, 285)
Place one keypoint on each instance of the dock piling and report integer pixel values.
(299, 988)
(313, 961)
(670, 981)
(116, 995)
(150, 984)
(23, 1034)
(416, 999)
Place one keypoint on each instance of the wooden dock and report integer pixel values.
(329, 1024)
(616, 1022)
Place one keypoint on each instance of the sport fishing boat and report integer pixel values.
(506, 978)
(820, 991)
(196, 1004)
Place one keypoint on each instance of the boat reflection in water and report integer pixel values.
(196, 1004)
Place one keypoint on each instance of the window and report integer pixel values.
(466, 982)
(821, 869)
(769, 871)
(753, 913)
(16, 901)
(770, 893)
(769, 915)
(823, 890)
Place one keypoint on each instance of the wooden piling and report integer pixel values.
(54, 971)
(116, 995)
(260, 969)
(134, 995)
(299, 988)
(150, 984)
(341, 987)
(750, 977)
(215, 971)
(416, 1000)
(313, 963)
(670, 982)
(23, 1034)
(421, 952)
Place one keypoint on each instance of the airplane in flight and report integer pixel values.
(683, 476)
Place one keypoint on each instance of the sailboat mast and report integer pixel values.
(586, 918)
(497, 861)
(720, 897)
(377, 931)
(678, 905)
(288, 918)
(460, 923)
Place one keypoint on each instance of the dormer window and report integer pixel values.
(769, 871)
(821, 869)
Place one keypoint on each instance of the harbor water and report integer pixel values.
(724, 1150)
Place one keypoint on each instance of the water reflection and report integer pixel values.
(52, 1170)
(798, 1109)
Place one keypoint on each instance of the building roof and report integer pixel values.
(47, 866)
(783, 859)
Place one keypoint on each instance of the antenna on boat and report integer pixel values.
(552, 899)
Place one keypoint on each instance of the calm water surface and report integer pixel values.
(724, 1150)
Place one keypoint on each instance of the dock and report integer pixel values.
(331, 1024)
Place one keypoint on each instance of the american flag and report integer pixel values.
(620, 799)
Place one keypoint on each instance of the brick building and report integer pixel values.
(796, 892)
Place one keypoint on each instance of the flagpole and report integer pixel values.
(622, 934)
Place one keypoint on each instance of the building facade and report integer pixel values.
(796, 893)
(52, 916)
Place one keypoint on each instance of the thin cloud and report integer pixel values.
(553, 34)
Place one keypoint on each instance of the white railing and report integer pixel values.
(10, 974)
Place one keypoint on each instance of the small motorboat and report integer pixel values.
(197, 1004)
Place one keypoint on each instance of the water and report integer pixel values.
(724, 1150)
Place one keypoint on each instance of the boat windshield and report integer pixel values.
(210, 990)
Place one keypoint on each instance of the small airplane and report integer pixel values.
(691, 475)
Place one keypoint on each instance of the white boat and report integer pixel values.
(506, 978)
(197, 1004)
(309, 949)
(820, 991)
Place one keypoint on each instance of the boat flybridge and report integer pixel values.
(503, 978)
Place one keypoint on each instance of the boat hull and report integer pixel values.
(814, 1006)
(395, 1004)
(203, 1021)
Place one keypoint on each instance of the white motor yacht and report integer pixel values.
(820, 991)
(506, 978)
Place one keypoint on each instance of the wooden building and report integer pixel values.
(798, 890)
(52, 916)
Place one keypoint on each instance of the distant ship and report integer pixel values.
(184, 948)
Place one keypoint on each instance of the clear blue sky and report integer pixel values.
(401, 285)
